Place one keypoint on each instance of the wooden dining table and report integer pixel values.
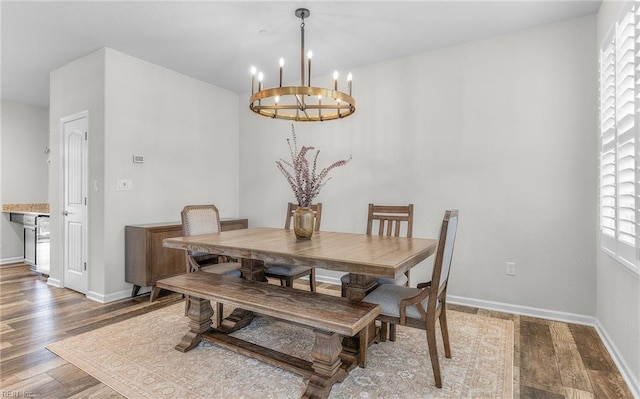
(363, 256)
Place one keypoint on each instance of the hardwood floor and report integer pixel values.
(552, 360)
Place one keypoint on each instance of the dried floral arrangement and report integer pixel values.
(303, 178)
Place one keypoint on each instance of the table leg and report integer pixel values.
(200, 312)
(251, 269)
(359, 286)
(326, 365)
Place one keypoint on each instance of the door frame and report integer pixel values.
(61, 188)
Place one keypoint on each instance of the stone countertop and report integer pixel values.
(39, 209)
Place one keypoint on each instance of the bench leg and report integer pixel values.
(239, 318)
(364, 344)
(326, 365)
(200, 312)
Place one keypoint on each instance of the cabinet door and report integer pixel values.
(164, 262)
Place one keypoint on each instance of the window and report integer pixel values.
(619, 139)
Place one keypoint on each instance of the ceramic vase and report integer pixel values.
(303, 223)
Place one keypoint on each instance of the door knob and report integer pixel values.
(65, 213)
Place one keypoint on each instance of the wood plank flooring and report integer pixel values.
(552, 360)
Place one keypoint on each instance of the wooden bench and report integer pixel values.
(329, 316)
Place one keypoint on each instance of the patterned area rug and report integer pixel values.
(137, 358)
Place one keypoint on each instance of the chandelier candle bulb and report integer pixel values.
(349, 79)
(281, 65)
(335, 80)
(253, 78)
(309, 55)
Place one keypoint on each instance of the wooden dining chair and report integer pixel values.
(387, 220)
(423, 306)
(287, 273)
(205, 219)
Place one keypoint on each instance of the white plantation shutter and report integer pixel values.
(619, 127)
(608, 142)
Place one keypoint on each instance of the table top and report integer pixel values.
(371, 255)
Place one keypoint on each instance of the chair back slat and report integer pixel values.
(390, 219)
(317, 213)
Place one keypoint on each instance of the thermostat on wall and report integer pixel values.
(138, 158)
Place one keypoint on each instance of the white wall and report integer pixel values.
(618, 290)
(503, 129)
(186, 129)
(23, 168)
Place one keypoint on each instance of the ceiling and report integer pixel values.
(218, 41)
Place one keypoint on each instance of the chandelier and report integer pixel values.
(304, 103)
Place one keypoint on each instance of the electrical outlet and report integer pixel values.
(124, 185)
(511, 268)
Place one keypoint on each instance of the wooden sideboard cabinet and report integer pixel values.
(147, 261)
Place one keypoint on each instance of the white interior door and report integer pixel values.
(74, 211)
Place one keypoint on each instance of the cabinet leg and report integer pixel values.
(154, 293)
(136, 288)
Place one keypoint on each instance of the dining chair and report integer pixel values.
(423, 306)
(387, 220)
(287, 273)
(205, 219)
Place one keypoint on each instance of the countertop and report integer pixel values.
(30, 209)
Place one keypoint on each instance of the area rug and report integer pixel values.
(137, 358)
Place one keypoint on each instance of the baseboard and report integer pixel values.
(11, 261)
(629, 378)
(114, 296)
(523, 310)
(54, 282)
